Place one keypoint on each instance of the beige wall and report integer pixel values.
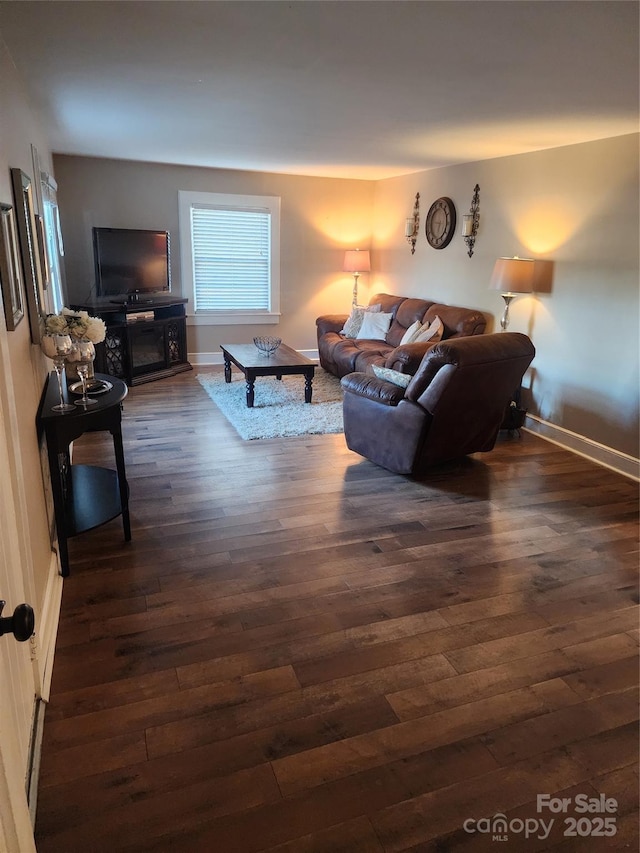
(19, 129)
(576, 206)
(320, 218)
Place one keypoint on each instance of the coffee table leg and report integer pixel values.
(250, 383)
(227, 368)
(308, 390)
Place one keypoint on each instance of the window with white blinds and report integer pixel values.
(230, 256)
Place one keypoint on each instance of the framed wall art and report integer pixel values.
(29, 251)
(10, 268)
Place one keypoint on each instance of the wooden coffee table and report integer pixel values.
(283, 362)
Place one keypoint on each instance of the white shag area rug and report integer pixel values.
(279, 408)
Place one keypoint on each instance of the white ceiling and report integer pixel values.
(364, 89)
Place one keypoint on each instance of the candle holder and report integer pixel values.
(57, 348)
(412, 225)
(86, 353)
(470, 221)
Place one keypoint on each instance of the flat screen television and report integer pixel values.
(131, 264)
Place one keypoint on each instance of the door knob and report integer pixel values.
(21, 624)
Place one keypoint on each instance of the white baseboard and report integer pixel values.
(203, 359)
(622, 463)
(33, 774)
(47, 629)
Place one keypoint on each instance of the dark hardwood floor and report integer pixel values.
(301, 652)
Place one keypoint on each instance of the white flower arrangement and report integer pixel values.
(77, 324)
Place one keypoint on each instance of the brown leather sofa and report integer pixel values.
(454, 405)
(340, 355)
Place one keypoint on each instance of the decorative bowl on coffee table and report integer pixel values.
(267, 345)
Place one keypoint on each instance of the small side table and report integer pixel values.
(84, 496)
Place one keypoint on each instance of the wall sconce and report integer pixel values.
(412, 225)
(356, 262)
(512, 276)
(470, 221)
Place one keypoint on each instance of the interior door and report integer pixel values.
(17, 677)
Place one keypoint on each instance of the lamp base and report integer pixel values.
(355, 289)
(504, 320)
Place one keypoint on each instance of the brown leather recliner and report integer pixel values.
(454, 405)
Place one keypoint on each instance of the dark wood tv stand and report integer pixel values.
(146, 339)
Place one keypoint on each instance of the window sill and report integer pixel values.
(244, 318)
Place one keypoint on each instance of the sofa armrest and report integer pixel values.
(379, 390)
(408, 357)
(458, 322)
(331, 323)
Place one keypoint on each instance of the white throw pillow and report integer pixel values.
(354, 321)
(407, 338)
(401, 379)
(430, 332)
(374, 326)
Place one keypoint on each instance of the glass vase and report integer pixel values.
(74, 358)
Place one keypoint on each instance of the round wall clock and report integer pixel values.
(441, 223)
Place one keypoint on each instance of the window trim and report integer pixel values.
(54, 246)
(188, 198)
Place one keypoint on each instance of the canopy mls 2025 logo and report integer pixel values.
(592, 817)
